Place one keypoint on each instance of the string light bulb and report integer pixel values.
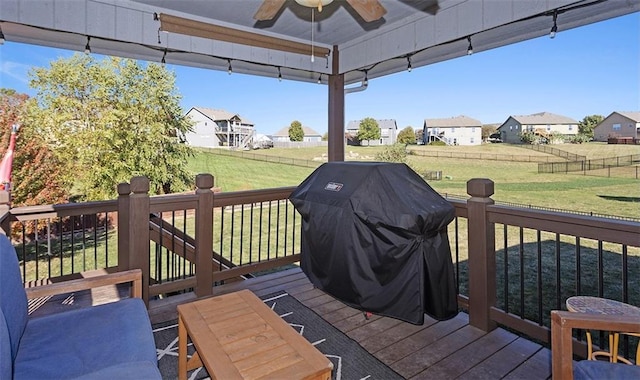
(409, 68)
(87, 47)
(470, 47)
(229, 69)
(365, 82)
(163, 61)
(1, 37)
(554, 28)
(320, 79)
(279, 75)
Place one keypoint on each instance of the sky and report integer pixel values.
(591, 70)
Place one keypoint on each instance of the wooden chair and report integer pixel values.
(563, 366)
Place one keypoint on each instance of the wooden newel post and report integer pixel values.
(139, 256)
(482, 261)
(5, 206)
(204, 235)
(124, 189)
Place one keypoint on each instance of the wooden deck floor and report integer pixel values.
(436, 350)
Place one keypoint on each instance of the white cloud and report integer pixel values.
(15, 70)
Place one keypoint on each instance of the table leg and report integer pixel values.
(182, 350)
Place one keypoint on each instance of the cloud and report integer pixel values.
(15, 70)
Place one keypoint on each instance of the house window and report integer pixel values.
(472, 141)
(516, 127)
(511, 127)
(205, 123)
(571, 127)
(616, 127)
(473, 129)
(548, 127)
(453, 130)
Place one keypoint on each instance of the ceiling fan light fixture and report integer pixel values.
(314, 3)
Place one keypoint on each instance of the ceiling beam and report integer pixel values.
(180, 25)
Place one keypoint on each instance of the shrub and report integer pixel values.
(438, 143)
(393, 153)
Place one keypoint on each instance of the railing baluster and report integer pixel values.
(539, 274)
(558, 274)
(521, 272)
(506, 268)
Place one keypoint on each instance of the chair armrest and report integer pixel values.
(562, 324)
(134, 276)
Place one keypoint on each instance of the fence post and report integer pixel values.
(139, 256)
(123, 226)
(482, 261)
(204, 235)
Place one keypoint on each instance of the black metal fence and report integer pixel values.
(604, 165)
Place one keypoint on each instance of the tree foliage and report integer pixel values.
(296, 133)
(110, 120)
(488, 130)
(36, 171)
(407, 136)
(588, 124)
(368, 130)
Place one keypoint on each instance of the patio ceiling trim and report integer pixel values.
(180, 25)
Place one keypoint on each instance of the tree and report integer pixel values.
(108, 121)
(36, 172)
(488, 130)
(407, 136)
(393, 153)
(369, 130)
(325, 136)
(588, 124)
(295, 131)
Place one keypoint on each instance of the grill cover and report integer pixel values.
(374, 236)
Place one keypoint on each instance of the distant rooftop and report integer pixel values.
(543, 118)
(452, 122)
(221, 115)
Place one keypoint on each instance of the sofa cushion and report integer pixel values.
(13, 299)
(135, 370)
(596, 369)
(82, 341)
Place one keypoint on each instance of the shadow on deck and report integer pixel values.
(436, 350)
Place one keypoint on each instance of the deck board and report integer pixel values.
(436, 349)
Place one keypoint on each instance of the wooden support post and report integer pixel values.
(482, 260)
(5, 207)
(336, 109)
(204, 235)
(139, 256)
(124, 189)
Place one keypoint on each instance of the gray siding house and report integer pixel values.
(459, 130)
(388, 131)
(618, 125)
(542, 124)
(214, 128)
(309, 135)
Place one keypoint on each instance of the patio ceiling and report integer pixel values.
(422, 32)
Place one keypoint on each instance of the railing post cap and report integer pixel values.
(480, 187)
(5, 197)
(140, 184)
(124, 188)
(204, 181)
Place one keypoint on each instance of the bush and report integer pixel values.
(579, 139)
(437, 143)
(393, 153)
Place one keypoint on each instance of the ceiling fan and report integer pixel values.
(369, 10)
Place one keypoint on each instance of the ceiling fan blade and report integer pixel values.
(369, 10)
(268, 10)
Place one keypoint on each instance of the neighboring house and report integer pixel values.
(459, 130)
(542, 124)
(618, 125)
(214, 128)
(309, 135)
(388, 132)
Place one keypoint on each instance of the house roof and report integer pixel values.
(635, 116)
(307, 132)
(453, 122)
(382, 123)
(543, 118)
(212, 34)
(221, 115)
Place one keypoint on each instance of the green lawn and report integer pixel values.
(517, 182)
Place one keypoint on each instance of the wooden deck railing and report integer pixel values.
(522, 263)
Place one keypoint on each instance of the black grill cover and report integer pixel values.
(374, 236)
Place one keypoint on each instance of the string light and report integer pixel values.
(409, 68)
(470, 47)
(1, 37)
(159, 41)
(554, 28)
(320, 79)
(365, 82)
(229, 69)
(87, 48)
(279, 75)
(163, 61)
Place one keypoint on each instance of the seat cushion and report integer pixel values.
(132, 370)
(78, 342)
(13, 299)
(595, 369)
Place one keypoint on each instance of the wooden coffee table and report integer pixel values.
(237, 336)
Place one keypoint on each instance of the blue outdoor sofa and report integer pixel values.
(110, 341)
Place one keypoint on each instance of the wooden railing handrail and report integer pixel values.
(25, 213)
